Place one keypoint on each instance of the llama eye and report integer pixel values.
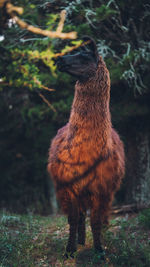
(86, 56)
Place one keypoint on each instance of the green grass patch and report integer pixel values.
(40, 241)
(128, 242)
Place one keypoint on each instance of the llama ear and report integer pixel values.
(89, 44)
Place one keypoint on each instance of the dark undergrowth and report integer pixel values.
(28, 240)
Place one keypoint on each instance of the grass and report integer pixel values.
(27, 241)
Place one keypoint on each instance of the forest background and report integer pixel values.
(31, 113)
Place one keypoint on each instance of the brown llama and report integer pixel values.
(86, 157)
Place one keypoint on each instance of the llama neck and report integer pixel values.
(90, 108)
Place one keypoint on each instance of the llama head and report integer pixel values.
(81, 62)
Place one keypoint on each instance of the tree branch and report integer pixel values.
(47, 102)
(2, 2)
(42, 86)
(71, 49)
(61, 22)
(52, 34)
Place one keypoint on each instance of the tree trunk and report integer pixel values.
(138, 168)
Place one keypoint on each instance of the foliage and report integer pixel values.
(144, 218)
(128, 245)
(27, 123)
(40, 241)
(121, 35)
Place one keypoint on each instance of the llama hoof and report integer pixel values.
(68, 255)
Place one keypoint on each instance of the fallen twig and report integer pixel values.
(129, 208)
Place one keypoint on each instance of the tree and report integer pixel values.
(28, 119)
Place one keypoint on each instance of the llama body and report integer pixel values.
(86, 158)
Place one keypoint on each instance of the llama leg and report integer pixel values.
(96, 226)
(81, 229)
(105, 210)
(73, 222)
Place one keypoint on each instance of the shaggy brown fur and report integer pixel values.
(86, 159)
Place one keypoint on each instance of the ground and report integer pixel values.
(32, 241)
